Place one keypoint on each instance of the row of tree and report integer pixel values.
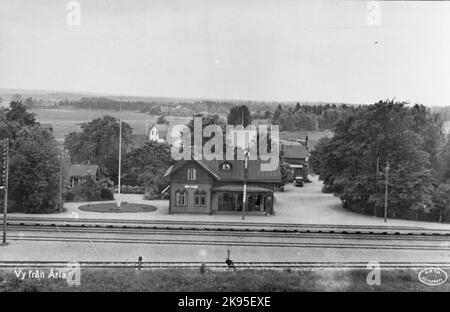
(291, 117)
(409, 139)
(308, 117)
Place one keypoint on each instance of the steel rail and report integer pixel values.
(238, 223)
(220, 233)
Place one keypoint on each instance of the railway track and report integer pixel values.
(238, 223)
(145, 265)
(180, 231)
(225, 226)
(227, 238)
(288, 242)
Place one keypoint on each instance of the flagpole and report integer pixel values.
(244, 199)
(244, 195)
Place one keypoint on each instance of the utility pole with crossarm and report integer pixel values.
(4, 181)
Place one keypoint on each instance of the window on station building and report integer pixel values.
(191, 174)
(181, 198)
(200, 198)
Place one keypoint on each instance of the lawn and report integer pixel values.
(217, 281)
(111, 207)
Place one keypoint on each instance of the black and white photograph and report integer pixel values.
(216, 147)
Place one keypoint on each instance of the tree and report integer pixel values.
(34, 179)
(239, 115)
(276, 115)
(441, 200)
(29, 102)
(161, 120)
(34, 164)
(155, 110)
(150, 161)
(347, 163)
(328, 119)
(444, 160)
(18, 113)
(98, 143)
(16, 98)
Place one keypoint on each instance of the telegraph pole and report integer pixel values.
(5, 174)
(386, 192)
(61, 161)
(120, 156)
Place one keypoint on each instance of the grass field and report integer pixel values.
(65, 121)
(217, 281)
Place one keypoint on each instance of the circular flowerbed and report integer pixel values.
(112, 207)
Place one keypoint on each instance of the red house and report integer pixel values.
(217, 187)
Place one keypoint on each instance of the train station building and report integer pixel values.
(217, 186)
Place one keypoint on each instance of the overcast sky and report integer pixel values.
(260, 50)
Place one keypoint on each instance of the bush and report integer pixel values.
(127, 189)
(69, 195)
(106, 193)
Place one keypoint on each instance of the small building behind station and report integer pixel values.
(296, 155)
(78, 173)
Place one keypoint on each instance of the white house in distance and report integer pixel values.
(159, 133)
